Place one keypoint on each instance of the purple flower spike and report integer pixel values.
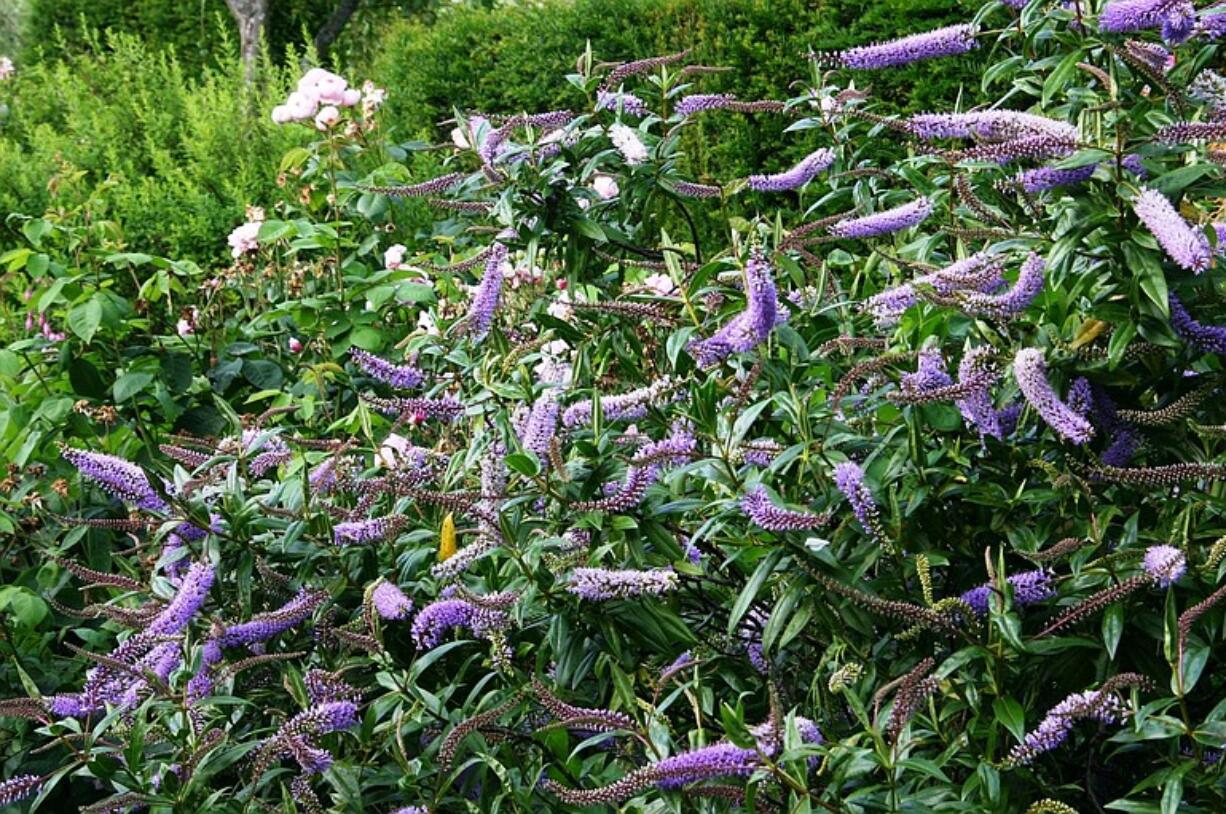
(1188, 247)
(1165, 564)
(119, 478)
(849, 478)
(1015, 300)
(1042, 179)
(373, 530)
(629, 103)
(402, 377)
(804, 172)
(757, 506)
(1054, 729)
(19, 787)
(1029, 587)
(263, 626)
(485, 300)
(193, 591)
(991, 125)
(749, 328)
(702, 102)
(941, 42)
(1122, 16)
(1205, 338)
(601, 584)
(436, 619)
(1030, 371)
(541, 426)
(390, 602)
(884, 223)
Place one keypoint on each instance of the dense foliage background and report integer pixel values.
(656, 406)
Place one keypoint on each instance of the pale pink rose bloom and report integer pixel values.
(393, 258)
(244, 239)
(300, 106)
(326, 117)
(661, 284)
(281, 115)
(185, 328)
(325, 86)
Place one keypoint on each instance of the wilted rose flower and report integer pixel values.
(295, 345)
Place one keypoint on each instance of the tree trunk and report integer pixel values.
(250, 15)
(333, 27)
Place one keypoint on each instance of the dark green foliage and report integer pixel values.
(191, 28)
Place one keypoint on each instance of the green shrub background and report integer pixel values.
(146, 124)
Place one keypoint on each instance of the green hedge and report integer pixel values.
(512, 59)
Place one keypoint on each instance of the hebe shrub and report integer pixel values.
(903, 497)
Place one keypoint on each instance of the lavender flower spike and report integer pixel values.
(849, 478)
(600, 584)
(1185, 245)
(119, 478)
(1042, 179)
(263, 626)
(757, 506)
(1030, 371)
(701, 102)
(1028, 587)
(1165, 564)
(373, 530)
(1122, 16)
(804, 172)
(485, 300)
(746, 330)
(193, 591)
(1015, 300)
(1205, 338)
(390, 602)
(941, 42)
(435, 619)
(1054, 729)
(884, 223)
(402, 377)
(19, 787)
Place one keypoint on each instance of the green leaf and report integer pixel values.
(85, 318)
(1113, 628)
(525, 463)
(750, 591)
(1010, 715)
(263, 373)
(85, 378)
(129, 384)
(366, 338)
